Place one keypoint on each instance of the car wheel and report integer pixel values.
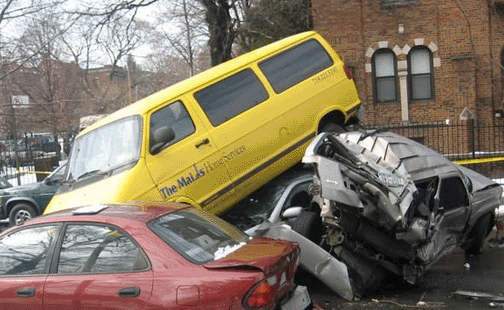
(478, 234)
(20, 213)
(309, 224)
(331, 127)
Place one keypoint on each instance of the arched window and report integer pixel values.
(384, 76)
(421, 79)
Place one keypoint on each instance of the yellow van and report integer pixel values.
(214, 138)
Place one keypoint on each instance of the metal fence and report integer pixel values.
(478, 146)
(466, 140)
(27, 165)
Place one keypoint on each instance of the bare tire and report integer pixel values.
(331, 127)
(20, 213)
(478, 234)
(309, 224)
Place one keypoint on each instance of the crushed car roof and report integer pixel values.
(391, 150)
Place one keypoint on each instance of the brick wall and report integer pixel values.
(457, 33)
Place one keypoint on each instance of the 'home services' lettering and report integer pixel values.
(199, 172)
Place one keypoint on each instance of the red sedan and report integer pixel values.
(144, 255)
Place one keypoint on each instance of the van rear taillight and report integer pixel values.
(348, 72)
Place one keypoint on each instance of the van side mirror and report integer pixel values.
(160, 137)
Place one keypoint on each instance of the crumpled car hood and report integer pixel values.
(382, 168)
(389, 201)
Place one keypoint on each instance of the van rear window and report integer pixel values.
(231, 96)
(295, 65)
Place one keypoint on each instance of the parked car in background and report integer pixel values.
(44, 143)
(24, 154)
(144, 255)
(281, 200)
(390, 204)
(28, 149)
(23, 202)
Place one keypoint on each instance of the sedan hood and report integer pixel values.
(261, 253)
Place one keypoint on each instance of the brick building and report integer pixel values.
(421, 61)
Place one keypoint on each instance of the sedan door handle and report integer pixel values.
(26, 292)
(132, 291)
(206, 141)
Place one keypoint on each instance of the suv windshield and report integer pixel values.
(105, 148)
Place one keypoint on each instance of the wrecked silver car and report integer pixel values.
(389, 204)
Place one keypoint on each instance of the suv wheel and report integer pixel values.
(20, 213)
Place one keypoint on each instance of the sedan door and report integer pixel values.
(24, 266)
(99, 267)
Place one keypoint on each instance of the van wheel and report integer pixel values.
(309, 225)
(478, 234)
(20, 213)
(331, 127)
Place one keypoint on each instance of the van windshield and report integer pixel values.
(105, 149)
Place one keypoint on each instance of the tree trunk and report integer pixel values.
(220, 26)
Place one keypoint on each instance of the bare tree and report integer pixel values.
(181, 28)
(220, 15)
(14, 17)
(53, 86)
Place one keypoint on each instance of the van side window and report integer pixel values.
(176, 117)
(295, 65)
(231, 96)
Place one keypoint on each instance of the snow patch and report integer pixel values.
(228, 249)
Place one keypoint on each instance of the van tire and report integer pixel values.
(478, 235)
(20, 213)
(331, 127)
(309, 225)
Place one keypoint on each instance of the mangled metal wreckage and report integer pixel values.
(389, 204)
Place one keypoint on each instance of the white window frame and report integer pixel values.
(420, 74)
(385, 73)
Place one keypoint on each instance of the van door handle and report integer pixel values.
(26, 292)
(132, 291)
(206, 141)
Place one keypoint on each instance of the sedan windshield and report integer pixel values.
(105, 148)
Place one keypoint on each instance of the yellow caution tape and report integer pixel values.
(25, 172)
(478, 161)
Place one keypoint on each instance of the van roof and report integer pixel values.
(205, 77)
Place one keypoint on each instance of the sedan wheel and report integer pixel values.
(20, 213)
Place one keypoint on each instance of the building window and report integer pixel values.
(420, 73)
(384, 75)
